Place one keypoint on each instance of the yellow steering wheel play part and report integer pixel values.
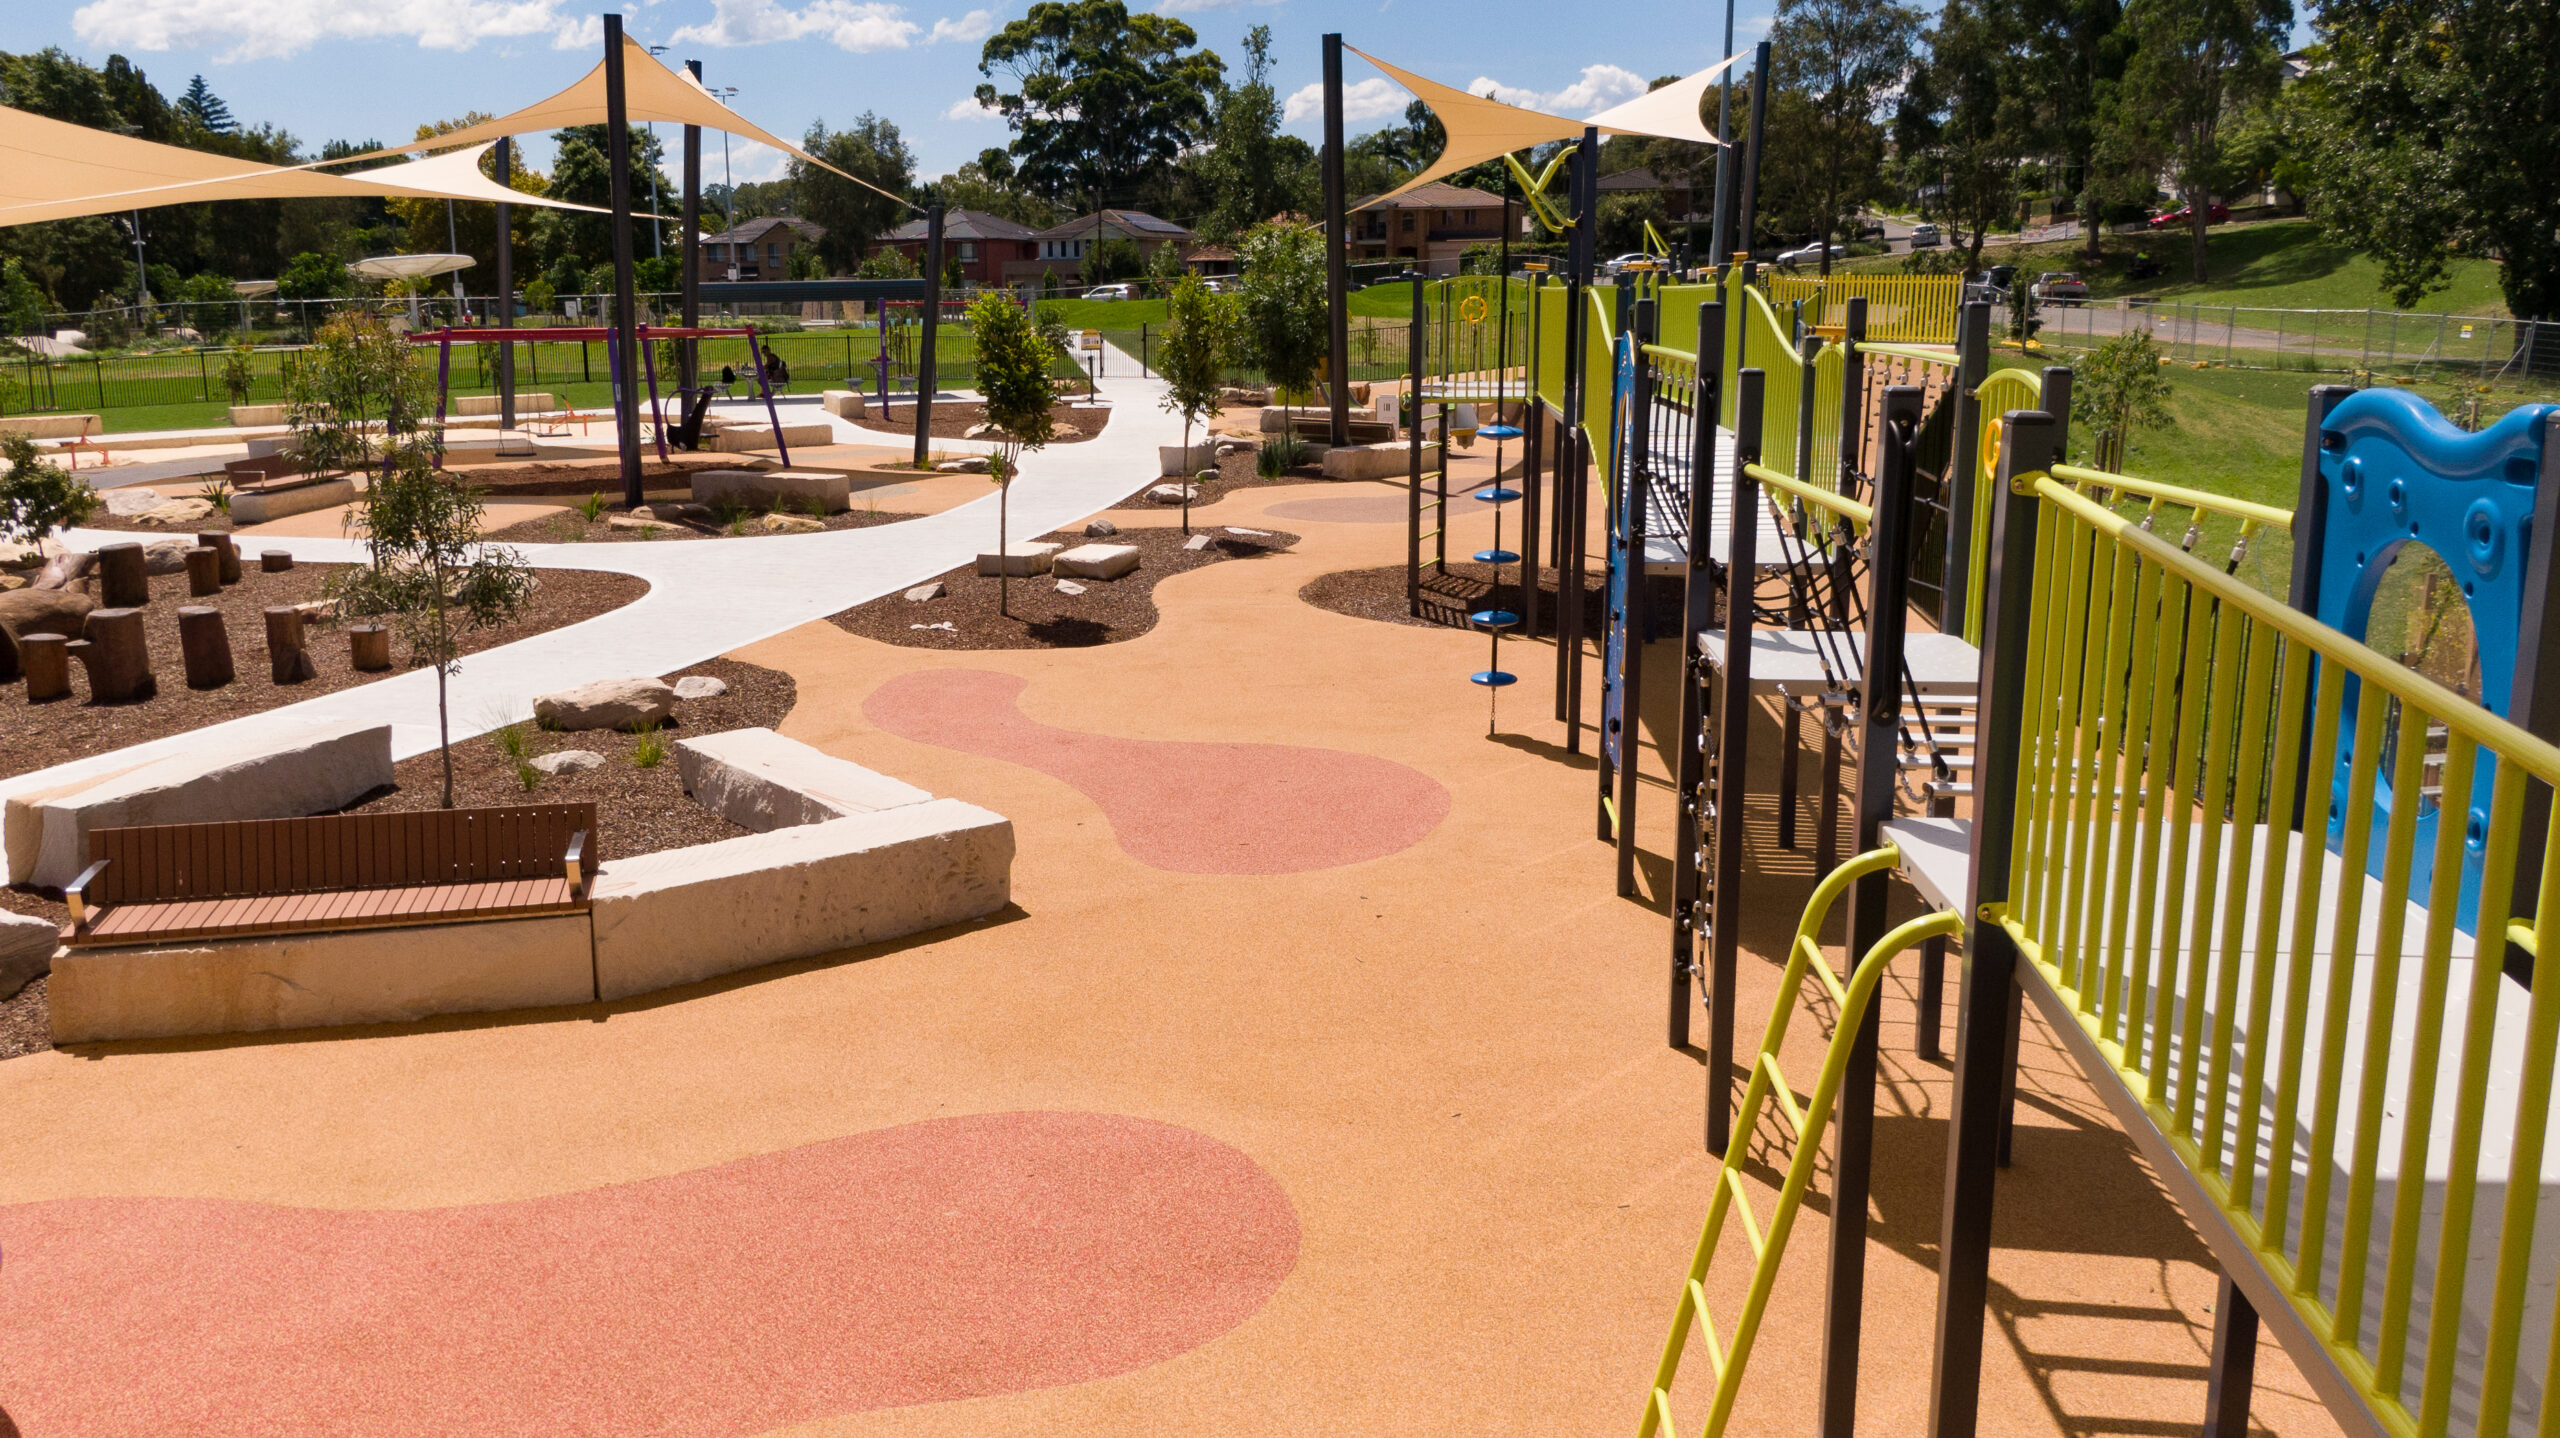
(1472, 309)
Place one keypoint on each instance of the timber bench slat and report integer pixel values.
(333, 871)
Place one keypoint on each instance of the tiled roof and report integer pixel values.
(1129, 223)
(754, 230)
(1435, 196)
(965, 225)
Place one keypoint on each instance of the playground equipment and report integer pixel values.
(692, 404)
(1493, 620)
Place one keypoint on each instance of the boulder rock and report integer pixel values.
(787, 524)
(12, 581)
(1100, 529)
(607, 704)
(1069, 586)
(671, 512)
(923, 592)
(634, 521)
(982, 431)
(38, 611)
(567, 761)
(1096, 561)
(790, 489)
(1018, 559)
(133, 499)
(700, 686)
(177, 512)
(1197, 541)
(1170, 493)
(166, 556)
(26, 951)
(1256, 533)
(968, 464)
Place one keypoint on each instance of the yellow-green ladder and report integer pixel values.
(1769, 1083)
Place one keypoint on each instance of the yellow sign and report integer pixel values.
(1091, 340)
(1472, 309)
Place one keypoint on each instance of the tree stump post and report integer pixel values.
(230, 548)
(123, 581)
(287, 660)
(205, 645)
(275, 561)
(112, 649)
(204, 572)
(47, 660)
(369, 647)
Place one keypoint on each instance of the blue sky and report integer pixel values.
(374, 69)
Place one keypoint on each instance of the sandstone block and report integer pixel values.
(476, 404)
(26, 950)
(306, 768)
(607, 704)
(294, 981)
(1019, 558)
(923, 592)
(177, 512)
(700, 686)
(567, 761)
(633, 521)
(759, 780)
(767, 489)
(685, 915)
(1173, 459)
(245, 415)
(735, 438)
(1170, 493)
(786, 524)
(1391, 460)
(264, 505)
(1096, 561)
(1100, 529)
(843, 403)
(132, 500)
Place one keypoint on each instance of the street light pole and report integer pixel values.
(657, 195)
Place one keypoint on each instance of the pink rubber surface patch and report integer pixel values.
(1186, 807)
(957, 1258)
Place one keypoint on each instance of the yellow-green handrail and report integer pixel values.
(2176, 497)
(2159, 885)
(2005, 390)
(1924, 354)
(1768, 1084)
(1846, 508)
(1899, 307)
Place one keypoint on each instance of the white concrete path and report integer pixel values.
(706, 596)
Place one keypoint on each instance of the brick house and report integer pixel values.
(758, 249)
(1433, 226)
(983, 244)
(1061, 249)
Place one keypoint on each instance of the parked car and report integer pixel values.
(2060, 287)
(1637, 260)
(1925, 237)
(1112, 292)
(2214, 214)
(1871, 229)
(1808, 254)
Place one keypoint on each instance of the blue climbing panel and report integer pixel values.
(1613, 646)
(2398, 473)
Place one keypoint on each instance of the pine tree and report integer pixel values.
(204, 110)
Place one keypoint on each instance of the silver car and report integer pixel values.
(1925, 237)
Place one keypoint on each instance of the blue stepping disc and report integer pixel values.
(1494, 618)
(1497, 495)
(1500, 431)
(1496, 556)
(1492, 678)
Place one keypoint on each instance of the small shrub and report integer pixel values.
(218, 494)
(650, 750)
(511, 740)
(36, 497)
(593, 507)
(527, 776)
(1278, 456)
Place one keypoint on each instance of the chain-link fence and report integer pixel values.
(2386, 345)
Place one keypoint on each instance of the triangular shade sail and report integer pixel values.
(650, 91)
(1481, 128)
(53, 170)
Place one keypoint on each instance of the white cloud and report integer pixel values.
(272, 29)
(1196, 7)
(583, 34)
(968, 108)
(860, 26)
(974, 26)
(1600, 87)
(1370, 99)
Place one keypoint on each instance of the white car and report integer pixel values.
(1925, 237)
(1112, 292)
(1809, 254)
(1638, 259)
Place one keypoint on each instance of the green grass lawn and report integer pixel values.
(2280, 264)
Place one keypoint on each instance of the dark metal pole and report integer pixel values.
(1732, 744)
(1337, 273)
(1636, 623)
(1586, 227)
(1697, 608)
(626, 310)
(928, 376)
(1416, 337)
(2234, 1369)
(501, 159)
(1533, 431)
(1879, 717)
(1720, 242)
(689, 252)
(1989, 970)
(1750, 218)
(1973, 366)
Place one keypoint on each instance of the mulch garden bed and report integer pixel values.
(33, 736)
(638, 810)
(582, 477)
(953, 419)
(217, 522)
(1107, 612)
(571, 526)
(1235, 471)
(1448, 598)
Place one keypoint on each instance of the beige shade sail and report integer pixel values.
(650, 91)
(53, 170)
(1482, 128)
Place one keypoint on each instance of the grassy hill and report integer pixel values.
(2282, 264)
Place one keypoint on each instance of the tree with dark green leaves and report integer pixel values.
(1970, 110)
(2068, 57)
(580, 175)
(853, 215)
(2118, 392)
(314, 276)
(1192, 359)
(204, 110)
(2430, 133)
(975, 186)
(1252, 171)
(36, 496)
(1018, 391)
(1280, 306)
(1102, 102)
(1847, 58)
(22, 304)
(2194, 63)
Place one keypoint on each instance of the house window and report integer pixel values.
(772, 253)
(719, 252)
(968, 252)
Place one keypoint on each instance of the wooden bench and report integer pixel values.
(336, 871)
